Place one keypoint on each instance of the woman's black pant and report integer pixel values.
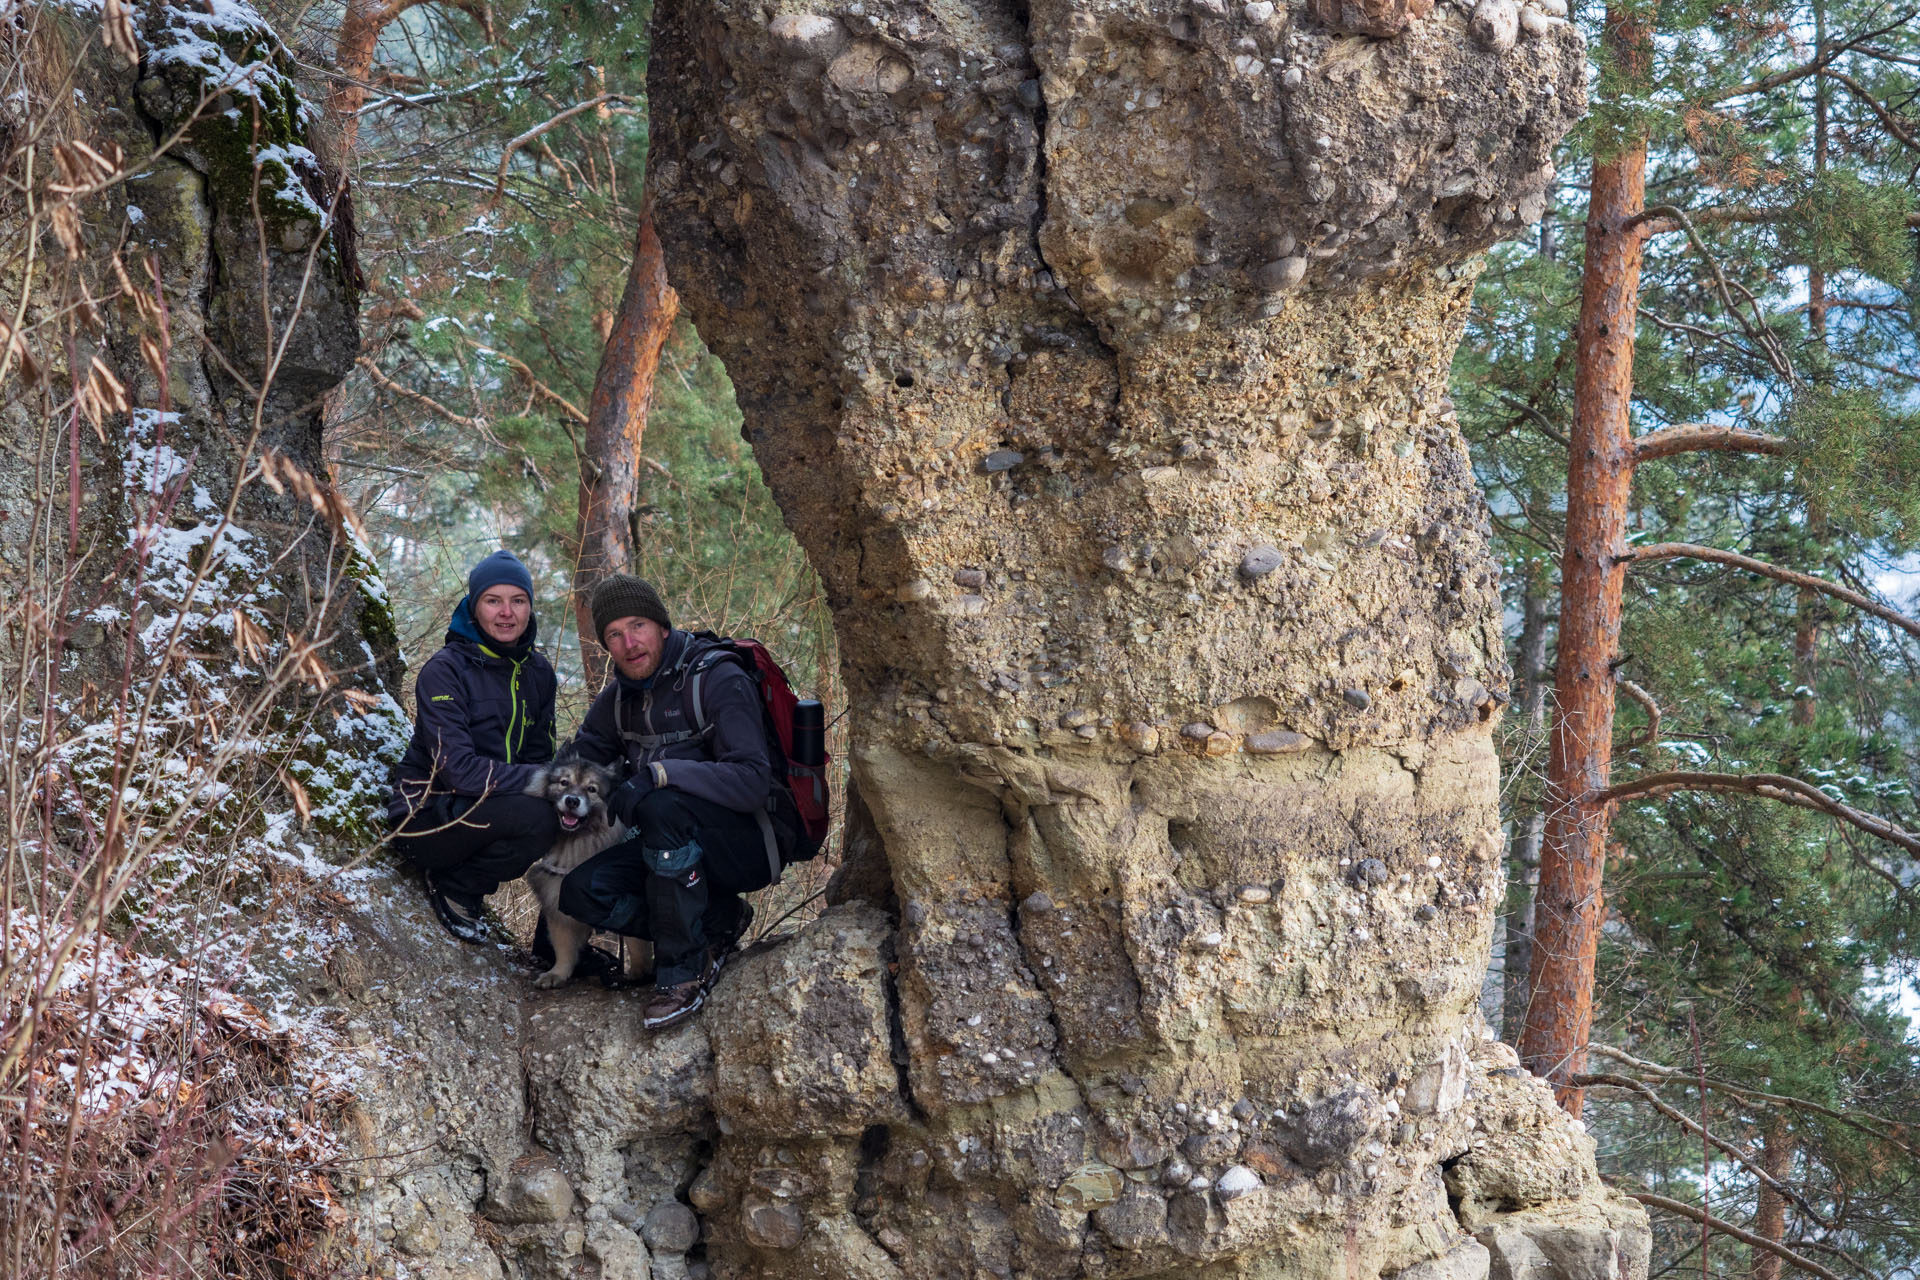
(675, 881)
(480, 843)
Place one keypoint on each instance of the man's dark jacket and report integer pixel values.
(482, 721)
(728, 764)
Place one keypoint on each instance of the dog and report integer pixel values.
(578, 789)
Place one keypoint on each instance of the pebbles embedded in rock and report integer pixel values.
(1496, 24)
(1260, 12)
(1358, 699)
(1077, 717)
(970, 606)
(670, 1228)
(1281, 274)
(1277, 742)
(772, 1224)
(1089, 1187)
(1036, 901)
(803, 28)
(1534, 22)
(1236, 1182)
(1243, 1110)
(1369, 871)
(1259, 562)
(973, 579)
(1159, 475)
(1030, 94)
(1254, 893)
(1141, 736)
(1002, 460)
(1117, 559)
(1176, 1175)
(1425, 912)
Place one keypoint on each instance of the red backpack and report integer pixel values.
(806, 783)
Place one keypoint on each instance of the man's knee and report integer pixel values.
(605, 894)
(664, 820)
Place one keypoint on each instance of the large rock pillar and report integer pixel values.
(1097, 354)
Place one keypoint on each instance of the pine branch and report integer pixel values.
(1651, 734)
(545, 126)
(1693, 1126)
(1688, 550)
(1854, 1117)
(1771, 786)
(1692, 437)
(1725, 1228)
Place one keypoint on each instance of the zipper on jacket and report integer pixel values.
(513, 708)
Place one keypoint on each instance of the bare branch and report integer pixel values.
(1694, 437)
(1854, 1117)
(1651, 734)
(1771, 786)
(1725, 1228)
(1693, 1126)
(1756, 329)
(382, 380)
(1688, 550)
(546, 126)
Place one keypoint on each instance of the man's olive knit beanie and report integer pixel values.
(622, 595)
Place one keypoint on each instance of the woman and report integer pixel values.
(483, 723)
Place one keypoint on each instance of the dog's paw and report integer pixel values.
(552, 978)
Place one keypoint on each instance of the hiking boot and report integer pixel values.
(460, 917)
(673, 1005)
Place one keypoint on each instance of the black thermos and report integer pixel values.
(809, 733)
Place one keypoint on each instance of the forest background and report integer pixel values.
(1753, 172)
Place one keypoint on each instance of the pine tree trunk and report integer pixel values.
(616, 426)
(1568, 908)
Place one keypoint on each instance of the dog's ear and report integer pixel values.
(537, 785)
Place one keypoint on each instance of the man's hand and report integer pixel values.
(625, 802)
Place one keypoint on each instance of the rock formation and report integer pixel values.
(1097, 354)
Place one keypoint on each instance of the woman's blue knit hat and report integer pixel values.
(502, 568)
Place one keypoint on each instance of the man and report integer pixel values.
(709, 820)
(483, 723)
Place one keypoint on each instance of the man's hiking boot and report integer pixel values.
(673, 1005)
(726, 944)
(464, 920)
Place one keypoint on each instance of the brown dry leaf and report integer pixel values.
(361, 699)
(301, 804)
(155, 362)
(116, 30)
(66, 229)
(248, 637)
(14, 347)
(103, 396)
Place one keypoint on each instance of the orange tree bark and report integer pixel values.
(616, 424)
(353, 50)
(1568, 908)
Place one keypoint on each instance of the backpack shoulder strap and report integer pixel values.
(715, 652)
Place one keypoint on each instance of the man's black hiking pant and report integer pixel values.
(493, 840)
(676, 881)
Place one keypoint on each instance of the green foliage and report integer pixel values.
(1772, 932)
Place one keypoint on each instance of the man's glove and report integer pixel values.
(626, 800)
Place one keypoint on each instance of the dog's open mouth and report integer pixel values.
(568, 822)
